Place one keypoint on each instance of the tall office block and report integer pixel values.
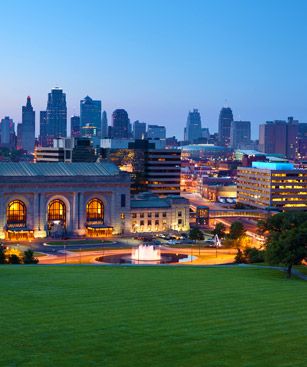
(7, 133)
(28, 127)
(240, 134)
(225, 120)
(279, 137)
(75, 126)
(120, 124)
(90, 115)
(43, 137)
(139, 130)
(156, 132)
(193, 129)
(104, 125)
(55, 124)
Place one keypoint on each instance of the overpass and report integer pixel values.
(230, 213)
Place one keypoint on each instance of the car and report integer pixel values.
(172, 242)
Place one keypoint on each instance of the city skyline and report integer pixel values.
(157, 60)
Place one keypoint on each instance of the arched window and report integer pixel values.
(56, 211)
(94, 210)
(16, 212)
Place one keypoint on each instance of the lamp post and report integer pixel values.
(65, 255)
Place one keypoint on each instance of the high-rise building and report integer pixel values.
(279, 137)
(55, 125)
(266, 185)
(43, 137)
(193, 129)
(104, 125)
(75, 127)
(28, 127)
(19, 137)
(225, 119)
(67, 150)
(151, 168)
(120, 124)
(139, 130)
(7, 133)
(205, 134)
(156, 132)
(240, 134)
(163, 167)
(90, 115)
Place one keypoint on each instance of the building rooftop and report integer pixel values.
(150, 200)
(273, 166)
(57, 169)
(149, 203)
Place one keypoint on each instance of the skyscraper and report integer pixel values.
(240, 134)
(75, 128)
(28, 127)
(56, 117)
(156, 132)
(225, 119)
(193, 128)
(279, 137)
(7, 133)
(139, 130)
(90, 115)
(104, 125)
(120, 124)
(43, 137)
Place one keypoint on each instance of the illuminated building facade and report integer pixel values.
(150, 213)
(56, 199)
(277, 185)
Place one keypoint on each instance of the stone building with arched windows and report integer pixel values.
(54, 199)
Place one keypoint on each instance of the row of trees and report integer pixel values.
(13, 256)
(285, 244)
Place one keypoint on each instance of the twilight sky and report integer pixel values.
(158, 59)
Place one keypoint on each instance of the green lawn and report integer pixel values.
(151, 316)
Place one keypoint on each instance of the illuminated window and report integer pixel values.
(16, 212)
(56, 210)
(94, 210)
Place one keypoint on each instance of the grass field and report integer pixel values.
(151, 316)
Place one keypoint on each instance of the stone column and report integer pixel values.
(40, 215)
(74, 212)
(2, 217)
(81, 214)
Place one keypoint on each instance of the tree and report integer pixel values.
(2, 255)
(219, 230)
(196, 234)
(287, 239)
(28, 257)
(239, 258)
(236, 230)
(281, 222)
(13, 259)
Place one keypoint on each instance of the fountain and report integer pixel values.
(146, 253)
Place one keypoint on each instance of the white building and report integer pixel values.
(150, 213)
